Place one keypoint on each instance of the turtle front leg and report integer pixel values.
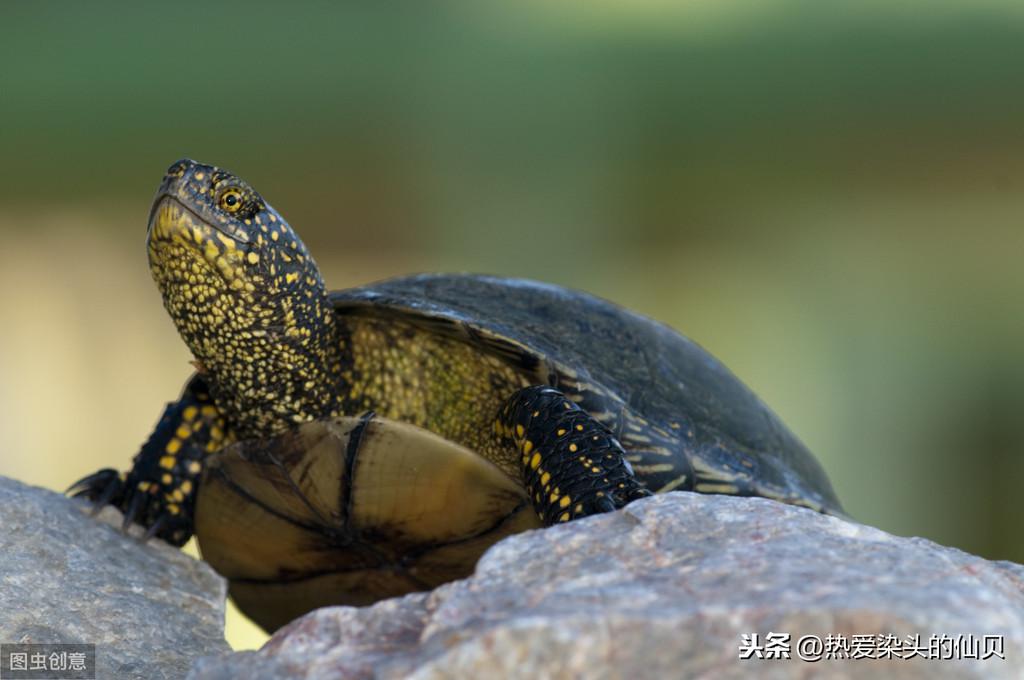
(572, 465)
(159, 491)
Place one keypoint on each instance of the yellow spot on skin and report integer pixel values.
(166, 479)
(173, 446)
(183, 431)
(167, 462)
(545, 478)
(178, 496)
(564, 517)
(520, 431)
(190, 413)
(195, 468)
(253, 258)
(580, 428)
(565, 502)
(573, 447)
(291, 277)
(200, 176)
(535, 461)
(208, 411)
(527, 447)
(578, 509)
(186, 486)
(173, 509)
(554, 496)
(561, 431)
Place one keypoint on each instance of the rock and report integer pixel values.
(666, 588)
(67, 578)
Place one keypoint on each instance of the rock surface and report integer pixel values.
(665, 589)
(67, 578)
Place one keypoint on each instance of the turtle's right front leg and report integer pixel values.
(572, 465)
(159, 491)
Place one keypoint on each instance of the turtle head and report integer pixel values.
(245, 295)
(216, 210)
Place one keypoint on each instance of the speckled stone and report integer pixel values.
(665, 589)
(66, 577)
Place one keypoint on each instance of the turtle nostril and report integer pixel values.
(178, 168)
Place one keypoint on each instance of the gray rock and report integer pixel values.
(67, 578)
(664, 589)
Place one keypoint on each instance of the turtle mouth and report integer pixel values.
(169, 215)
(179, 239)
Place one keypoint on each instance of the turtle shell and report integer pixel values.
(687, 421)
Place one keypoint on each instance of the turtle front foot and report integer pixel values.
(160, 490)
(572, 465)
(148, 503)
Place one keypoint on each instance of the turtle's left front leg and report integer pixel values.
(159, 491)
(572, 465)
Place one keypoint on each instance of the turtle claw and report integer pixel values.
(113, 489)
(155, 527)
(173, 529)
(88, 485)
(133, 510)
(101, 488)
(604, 504)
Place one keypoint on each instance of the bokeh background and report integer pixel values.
(827, 196)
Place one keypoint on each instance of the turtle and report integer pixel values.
(348, 446)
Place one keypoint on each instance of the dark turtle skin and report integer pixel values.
(340, 447)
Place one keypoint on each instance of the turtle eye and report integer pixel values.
(230, 201)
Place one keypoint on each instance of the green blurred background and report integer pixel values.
(827, 196)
